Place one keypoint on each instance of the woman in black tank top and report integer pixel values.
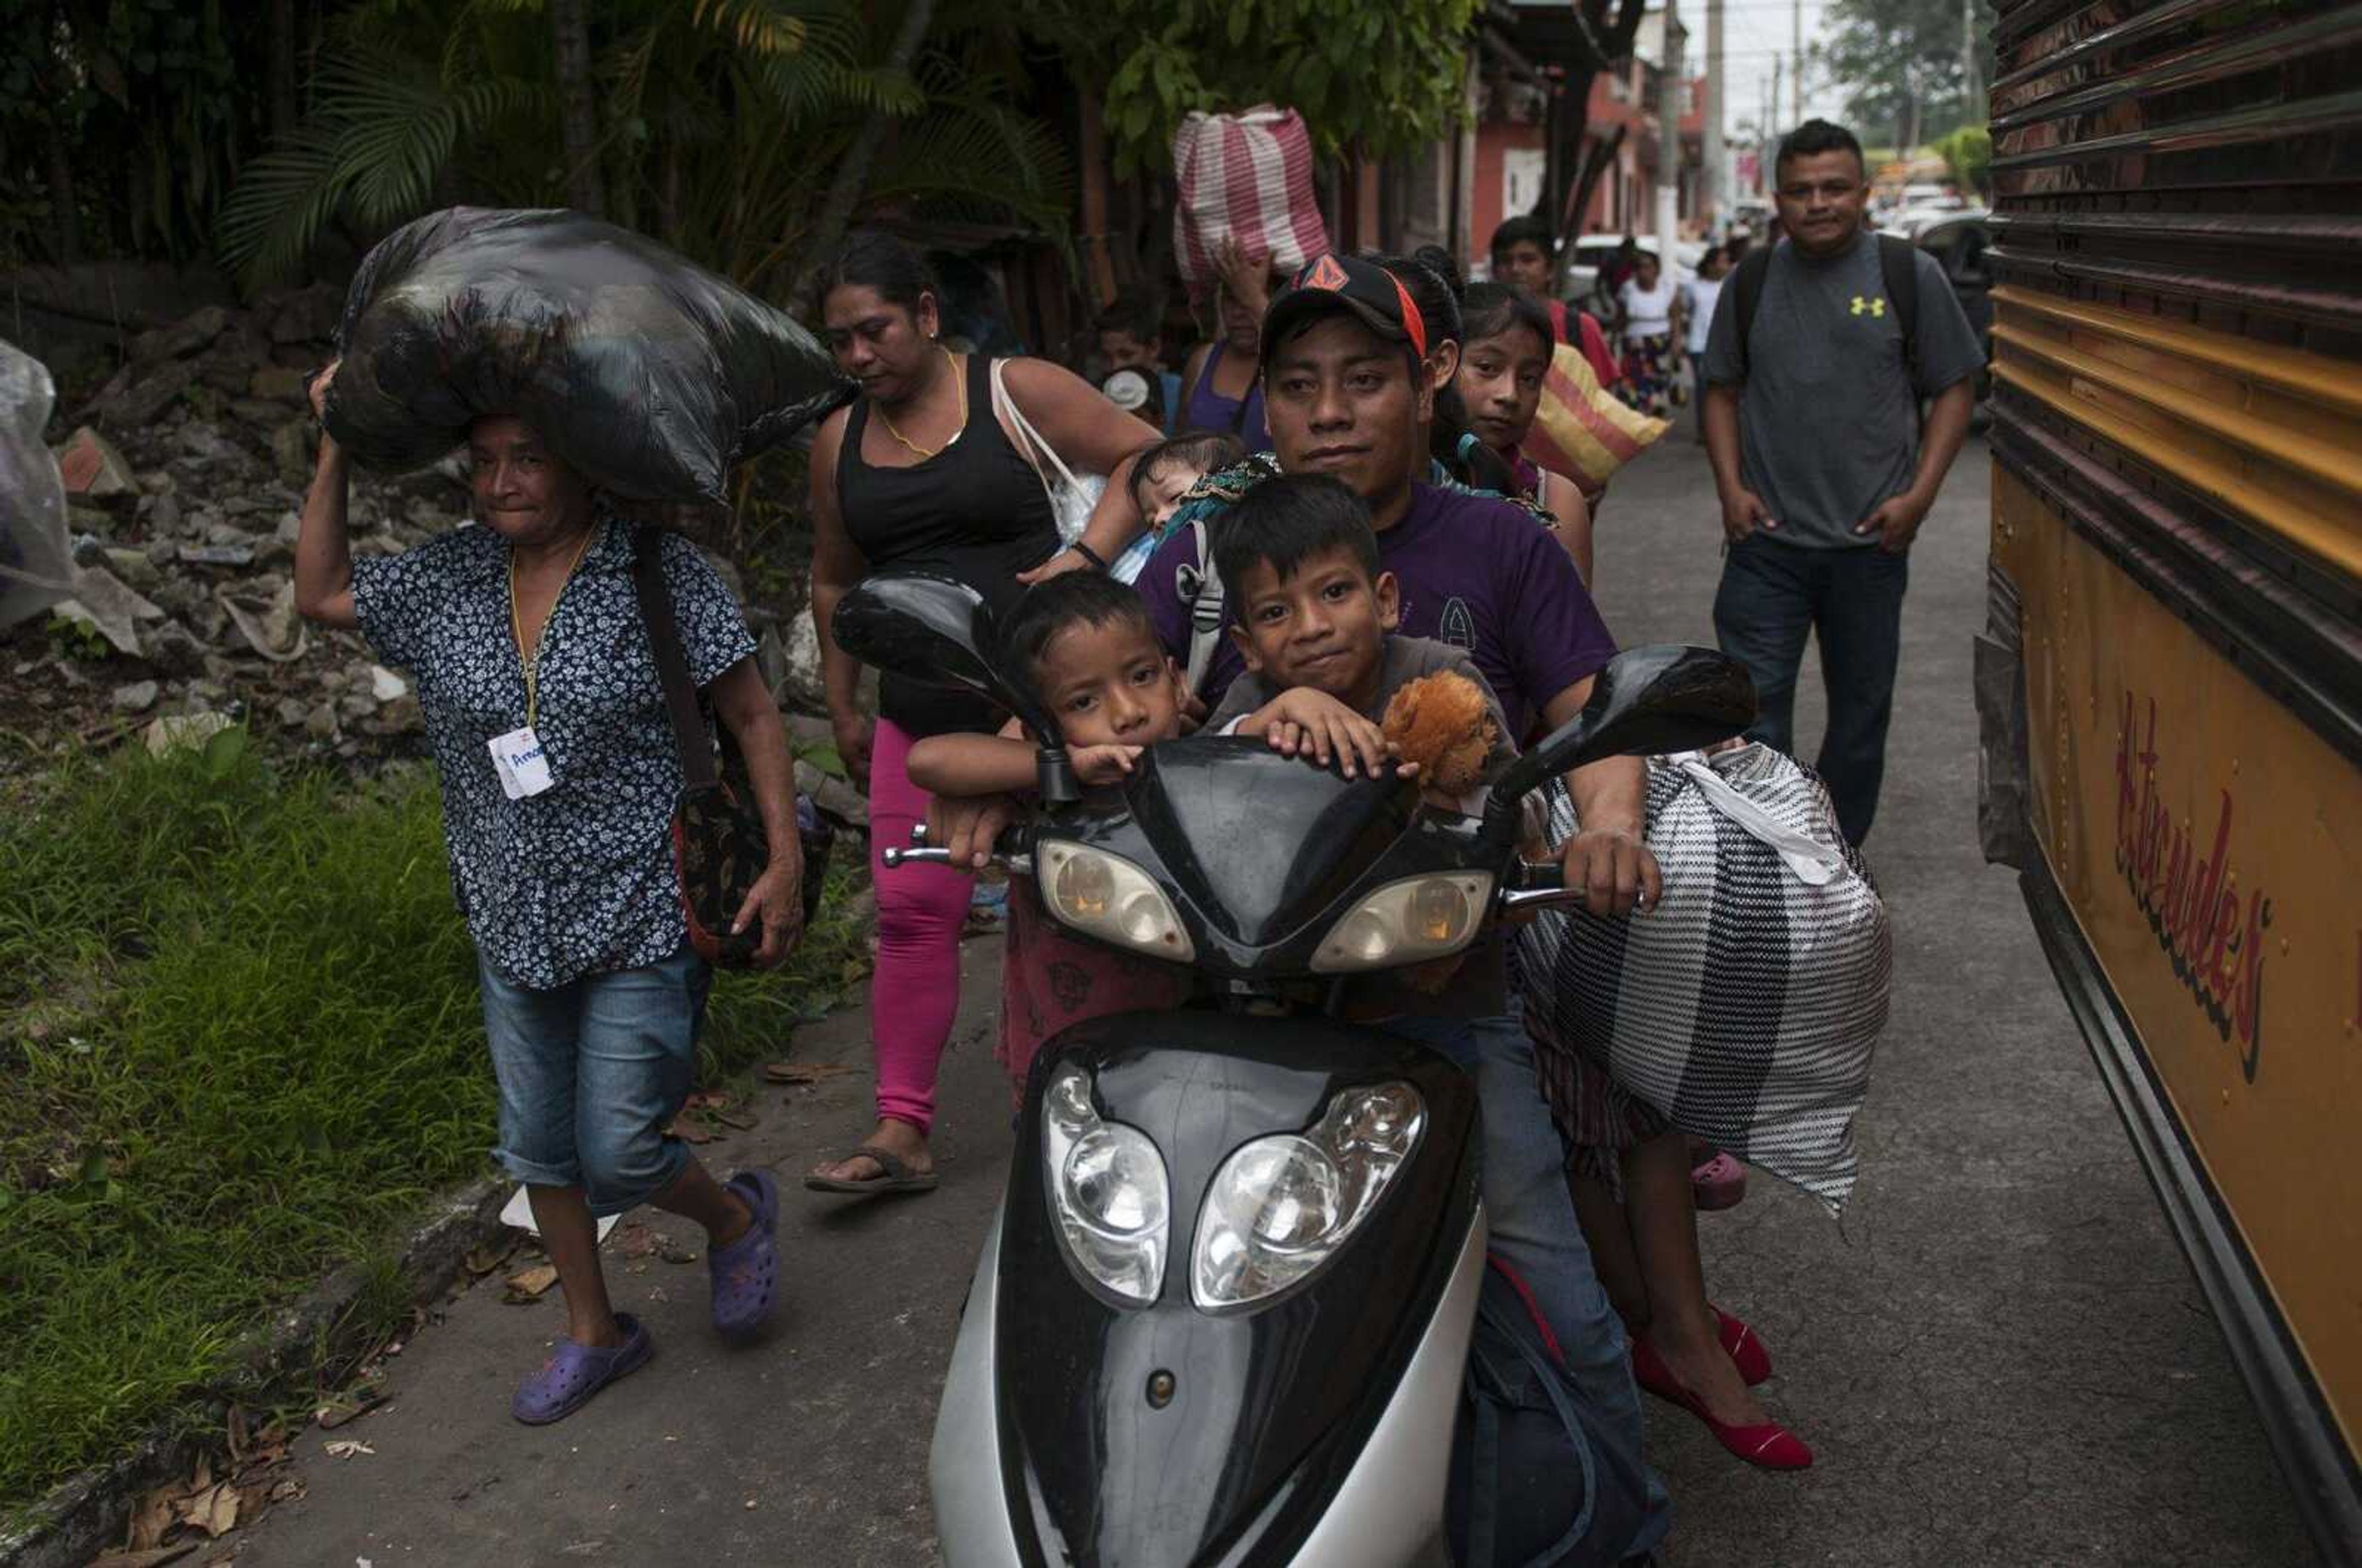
(920, 475)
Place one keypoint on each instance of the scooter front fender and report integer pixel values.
(1163, 1435)
(964, 1461)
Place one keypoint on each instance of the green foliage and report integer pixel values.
(1898, 63)
(1384, 78)
(239, 1043)
(143, 100)
(1969, 152)
(720, 123)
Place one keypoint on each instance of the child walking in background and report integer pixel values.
(1504, 358)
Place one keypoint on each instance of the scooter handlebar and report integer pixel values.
(1010, 849)
(1537, 884)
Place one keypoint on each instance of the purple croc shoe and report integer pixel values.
(575, 1371)
(745, 1274)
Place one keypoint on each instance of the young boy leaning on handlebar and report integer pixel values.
(1084, 644)
(1311, 610)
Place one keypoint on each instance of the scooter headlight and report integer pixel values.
(1280, 1206)
(1108, 897)
(1408, 921)
(1109, 1188)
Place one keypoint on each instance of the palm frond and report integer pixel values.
(760, 27)
(282, 202)
(379, 141)
(394, 135)
(971, 152)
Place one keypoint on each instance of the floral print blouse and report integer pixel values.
(578, 879)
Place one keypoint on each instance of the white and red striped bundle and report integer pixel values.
(1249, 175)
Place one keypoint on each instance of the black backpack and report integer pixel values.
(1898, 267)
(1533, 1483)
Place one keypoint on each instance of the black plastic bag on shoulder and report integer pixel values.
(644, 372)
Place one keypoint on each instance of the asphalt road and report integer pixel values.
(1998, 1356)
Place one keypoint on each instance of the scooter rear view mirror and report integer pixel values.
(938, 633)
(1646, 700)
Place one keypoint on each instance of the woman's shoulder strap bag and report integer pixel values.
(719, 848)
(1073, 497)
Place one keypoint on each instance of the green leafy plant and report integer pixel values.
(719, 126)
(76, 640)
(240, 1046)
(1382, 78)
(122, 121)
(1968, 153)
(1899, 65)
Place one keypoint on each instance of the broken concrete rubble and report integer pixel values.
(190, 471)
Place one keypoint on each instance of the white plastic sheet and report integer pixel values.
(36, 558)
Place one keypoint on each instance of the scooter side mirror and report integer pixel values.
(939, 632)
(1648, 699)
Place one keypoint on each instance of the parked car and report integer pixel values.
(1960, 242)
(1909, 221)
(1928, 194)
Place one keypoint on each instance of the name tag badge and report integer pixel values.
(523, 763)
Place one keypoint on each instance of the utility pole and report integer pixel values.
(1771, 127)
(1669, 140)
(1973, 90)
(1796, 61)
(1711, 190)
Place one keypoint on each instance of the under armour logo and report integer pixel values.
(1869, 308)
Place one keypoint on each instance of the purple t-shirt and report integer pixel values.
(1475, 571)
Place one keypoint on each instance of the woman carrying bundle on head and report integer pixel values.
(560, 774)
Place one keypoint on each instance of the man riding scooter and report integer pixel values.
(1278, 1381)
(1349, 380)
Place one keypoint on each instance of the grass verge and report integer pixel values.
(239, 1047)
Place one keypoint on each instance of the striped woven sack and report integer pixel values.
(1745, 1006)
(1583, 430)
(1249, 175)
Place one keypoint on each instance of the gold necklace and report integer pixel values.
(924, 453)
(532, 665)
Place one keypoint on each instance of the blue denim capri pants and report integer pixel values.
(591, 1075)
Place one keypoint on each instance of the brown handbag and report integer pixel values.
(719, 847)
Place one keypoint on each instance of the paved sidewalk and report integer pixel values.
(808, 1446)
(1998, 1356)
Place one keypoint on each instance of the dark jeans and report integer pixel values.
(1773, 595)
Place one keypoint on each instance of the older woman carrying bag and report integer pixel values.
(560, 772)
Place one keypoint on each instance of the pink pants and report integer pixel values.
(914, 990)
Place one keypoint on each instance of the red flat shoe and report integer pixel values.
(1739, 1343)
(1649, 1371)
(1767, 1444)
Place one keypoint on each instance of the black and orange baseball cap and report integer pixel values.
(1364, 289)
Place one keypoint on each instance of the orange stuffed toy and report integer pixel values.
(1442, 722)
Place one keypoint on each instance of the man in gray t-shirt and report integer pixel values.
(1824, 469)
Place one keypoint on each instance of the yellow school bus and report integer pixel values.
(2170, 679)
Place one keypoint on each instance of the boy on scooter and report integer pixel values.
(1313, 615)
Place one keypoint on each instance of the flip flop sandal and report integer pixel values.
(575, 1371)
(745, 1274)
(1718, 1183)
(898, 1176)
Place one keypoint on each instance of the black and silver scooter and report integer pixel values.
(1222, 1315)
